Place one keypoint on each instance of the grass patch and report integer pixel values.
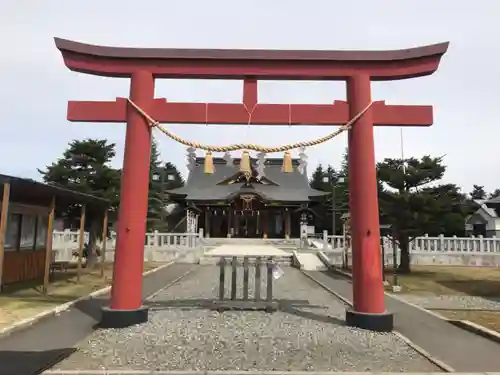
(450, 280)
(24, 300)
(488, 319)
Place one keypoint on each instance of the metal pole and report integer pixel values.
(162, 195)
(384, 279)
(333, 209)
(394, 262)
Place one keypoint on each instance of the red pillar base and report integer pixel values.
(115, 318)
(383, 322)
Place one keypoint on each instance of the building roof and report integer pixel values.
(495, 200)
(28, 191)
(282, 187)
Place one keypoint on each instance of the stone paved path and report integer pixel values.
(307, 335)
(462, 350)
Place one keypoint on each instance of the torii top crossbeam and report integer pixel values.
(251, 65)
(259, 64)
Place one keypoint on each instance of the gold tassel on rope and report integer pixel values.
(209, 163)
(287, 163)
(245, 163)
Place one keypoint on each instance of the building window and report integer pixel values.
(28, 229)
(12, 232)
(41, 232)
(25, 232)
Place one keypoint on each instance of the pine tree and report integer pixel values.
(85, 166)
(413, 205)
(477, 192)
(164, 176)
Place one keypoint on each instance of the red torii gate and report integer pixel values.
(357, 68)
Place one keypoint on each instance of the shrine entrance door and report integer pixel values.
(247, 209)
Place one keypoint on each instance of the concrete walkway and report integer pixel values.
(460, 349)
(247, 250)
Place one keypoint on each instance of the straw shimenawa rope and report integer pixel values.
(248, 146)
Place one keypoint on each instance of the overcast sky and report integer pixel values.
(35, 84)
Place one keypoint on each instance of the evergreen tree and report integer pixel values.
(156, 185)
(477, 192)
(413, 207)
(85, 166)
(494, 194)
(316, 181)
(164, 176)
(341, 198)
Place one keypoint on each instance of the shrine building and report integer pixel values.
(231, 202)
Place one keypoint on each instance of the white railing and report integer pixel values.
(65, 243)
(424, 244)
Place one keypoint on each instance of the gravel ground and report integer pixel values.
(308, 336)
(451, 302)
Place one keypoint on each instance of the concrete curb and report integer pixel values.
(463, 324)
(424, 353)
(295, 261)
(230, 372)
(436, 361)
(477, 329)
(28, 322)
(322, 256)
(394, 296)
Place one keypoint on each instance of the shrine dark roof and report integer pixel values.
(282, 187)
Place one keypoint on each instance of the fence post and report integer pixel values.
(245, 278)
(481, 243)
(222, 277)
(155, 239)
(257, 278)
(234, 271)
(269, 292)
(325, 240)
(441, 243)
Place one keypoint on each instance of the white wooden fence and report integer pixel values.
(425, 250)
(157, 246)
(425, 243)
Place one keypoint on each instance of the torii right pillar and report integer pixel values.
(368, 291)
(368, 309)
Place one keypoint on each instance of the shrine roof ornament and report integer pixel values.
(120, 62)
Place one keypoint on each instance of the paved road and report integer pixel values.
(42, 345)
(460, 349)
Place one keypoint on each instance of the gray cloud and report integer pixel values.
(36, 85)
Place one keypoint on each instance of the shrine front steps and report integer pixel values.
(214, 260)
(280, 243)
(244, 248)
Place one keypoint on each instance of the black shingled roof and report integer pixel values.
(25, 190)
(291, 187)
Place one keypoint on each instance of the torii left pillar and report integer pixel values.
(126, 307)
